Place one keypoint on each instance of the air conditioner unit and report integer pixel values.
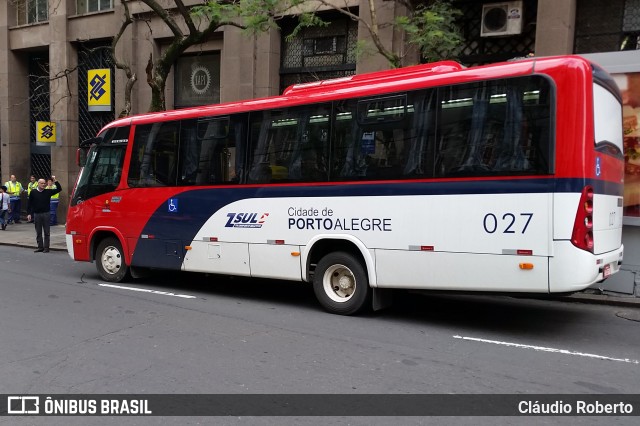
(501, 19)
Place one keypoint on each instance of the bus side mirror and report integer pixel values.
(81, 156)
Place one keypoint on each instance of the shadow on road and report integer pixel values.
(472, 313)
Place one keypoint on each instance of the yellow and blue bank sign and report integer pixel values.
(99, 90)
(46, 133)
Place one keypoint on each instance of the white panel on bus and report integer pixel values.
(565, 207)
(460, 271)
(275, 261)
(607, 221)
(217, 258)
(572, 269)
(477, 223)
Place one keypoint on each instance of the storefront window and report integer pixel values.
(630, 86)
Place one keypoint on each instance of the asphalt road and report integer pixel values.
(62, 330)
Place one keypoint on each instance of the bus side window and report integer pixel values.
(345, 125)
(208, 151)
(289, 145)
(417, 153)
(510, 153)
(190, 147)
(154, 157)
(259, 166)
(468, 132)
(380, 143)
(494, 128)
(313, 155)
(354, 153)
(308, 162)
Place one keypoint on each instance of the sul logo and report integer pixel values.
(246, 220)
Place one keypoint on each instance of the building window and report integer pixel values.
(197, 80)
(631, 25)
(88, 6)
(32, 11)
(610, 29)
(318, 53)
(324, 45)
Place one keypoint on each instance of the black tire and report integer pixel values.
(341, 284)
(110, 261)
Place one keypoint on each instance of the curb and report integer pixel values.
(28, 245)
(602, 299)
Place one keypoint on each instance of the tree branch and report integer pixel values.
(164, 15)
(131, 76)
(186, 15)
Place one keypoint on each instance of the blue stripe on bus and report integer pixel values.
(172, 231)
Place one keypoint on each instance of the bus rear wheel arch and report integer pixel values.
(341, 284)
(110, 260)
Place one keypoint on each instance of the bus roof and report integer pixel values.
(363, 85)
(360, 79)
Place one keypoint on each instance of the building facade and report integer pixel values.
(50, 51)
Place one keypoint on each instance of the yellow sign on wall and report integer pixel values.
(46, 132)
(99, 90)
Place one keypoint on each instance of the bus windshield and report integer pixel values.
(103, 169)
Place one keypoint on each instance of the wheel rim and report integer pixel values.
(111, 260)
(339, 283)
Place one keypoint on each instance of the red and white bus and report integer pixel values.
(502, 178)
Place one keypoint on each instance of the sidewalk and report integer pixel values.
(24, 235)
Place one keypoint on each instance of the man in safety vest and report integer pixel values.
(33, 184)
(53, 204)
(14, 189)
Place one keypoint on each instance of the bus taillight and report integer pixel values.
(582, 236)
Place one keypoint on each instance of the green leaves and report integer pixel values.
(432, 28)
(430, 25)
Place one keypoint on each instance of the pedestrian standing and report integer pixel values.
(4, 207)
(55, 200)
(33, 184)
(39, 209)
(15, 190)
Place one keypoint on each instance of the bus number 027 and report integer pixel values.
(509, 224)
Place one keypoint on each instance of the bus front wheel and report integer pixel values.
(341, 284)
(110, 260)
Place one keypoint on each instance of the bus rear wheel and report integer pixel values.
(110, 260)
(341, 285)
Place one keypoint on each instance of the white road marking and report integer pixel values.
(542, 348)
(144, 290)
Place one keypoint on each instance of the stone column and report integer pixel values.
(14, 105)
(63, 104)
(556, 24)
(393, 39)
(250, 65)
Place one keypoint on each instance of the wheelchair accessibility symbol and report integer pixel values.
(173, 205)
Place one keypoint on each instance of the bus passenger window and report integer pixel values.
(388, 141)
(494, 128)
(155, 154)
(289, 145)
(208, 150)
